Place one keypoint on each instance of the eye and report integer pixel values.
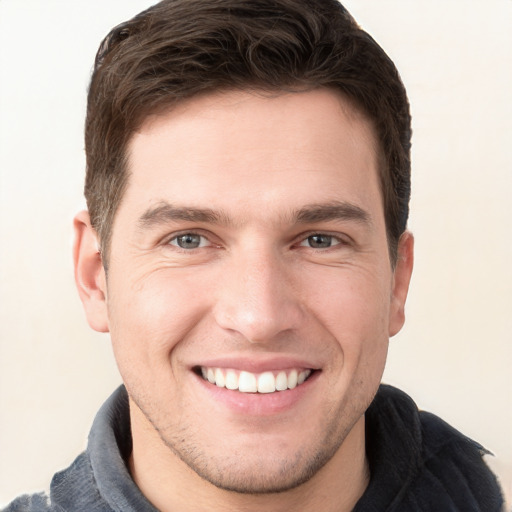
(189, 241)
(320, 241)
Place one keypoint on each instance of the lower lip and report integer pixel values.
(259, 404)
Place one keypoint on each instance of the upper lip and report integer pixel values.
(255, 364)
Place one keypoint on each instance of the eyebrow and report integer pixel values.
(165, 212)
(336, 210)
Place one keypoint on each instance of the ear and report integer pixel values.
(401, 280)
(89, 273)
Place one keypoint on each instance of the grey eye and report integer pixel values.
(187, 241)
(320, 241)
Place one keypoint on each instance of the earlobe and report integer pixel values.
(89, 272)
(401, 280)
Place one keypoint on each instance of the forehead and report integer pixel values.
(258, 152)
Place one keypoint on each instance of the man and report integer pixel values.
(246, 247)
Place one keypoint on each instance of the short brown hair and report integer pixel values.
(180, 48)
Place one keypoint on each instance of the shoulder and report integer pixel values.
(453, 467)
(98, 480)
(30, 503)
(419, 462)
(73, 489)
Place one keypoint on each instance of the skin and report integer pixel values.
(258, 292)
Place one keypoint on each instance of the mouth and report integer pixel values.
(247, 382)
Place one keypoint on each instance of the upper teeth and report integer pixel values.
(247, 382)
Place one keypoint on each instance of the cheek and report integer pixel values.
(354, 307)
(149, 316)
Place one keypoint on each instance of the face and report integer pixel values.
(250, 296)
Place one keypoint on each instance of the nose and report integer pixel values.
(258, 297)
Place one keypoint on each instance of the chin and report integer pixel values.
(261, 476)
(264, 465)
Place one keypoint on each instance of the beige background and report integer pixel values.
(454, 355)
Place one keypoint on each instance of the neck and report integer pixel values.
(169, 484)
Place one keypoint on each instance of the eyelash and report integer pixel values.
(334, 240)
(202, 237)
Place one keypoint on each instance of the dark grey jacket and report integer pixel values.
(417, 462)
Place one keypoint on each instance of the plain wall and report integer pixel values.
(454, 356)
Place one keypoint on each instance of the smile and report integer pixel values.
(247, 382)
